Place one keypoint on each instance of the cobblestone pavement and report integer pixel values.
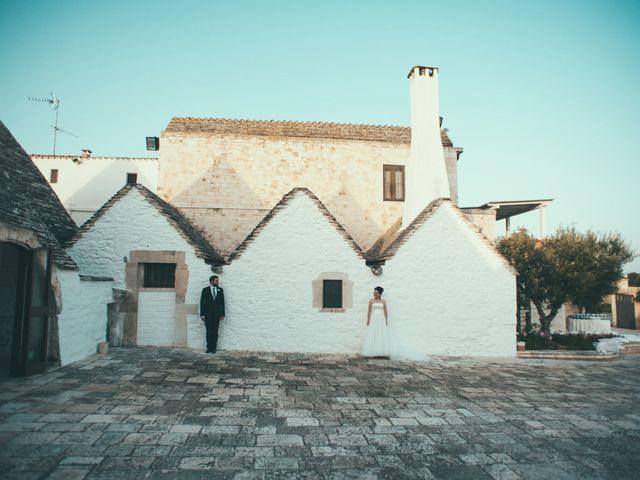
(163, 413)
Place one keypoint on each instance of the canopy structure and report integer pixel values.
(510, 208)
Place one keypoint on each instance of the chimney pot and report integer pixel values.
(86, 152)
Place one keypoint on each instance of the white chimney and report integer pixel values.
(426, 177)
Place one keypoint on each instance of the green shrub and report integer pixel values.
(577, 341)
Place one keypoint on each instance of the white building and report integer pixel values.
(85, 182)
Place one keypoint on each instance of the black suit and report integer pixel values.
(212, 310)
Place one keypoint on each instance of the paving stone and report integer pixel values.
(69, 473)
(279, 440)
(174, 413)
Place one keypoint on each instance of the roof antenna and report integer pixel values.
(55, 103)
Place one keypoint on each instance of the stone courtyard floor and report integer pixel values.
(164, 413)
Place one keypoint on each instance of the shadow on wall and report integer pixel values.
(97, 192)
(227, 205)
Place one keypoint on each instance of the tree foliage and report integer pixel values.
(567, 266)
(634, 279)
(537, 279)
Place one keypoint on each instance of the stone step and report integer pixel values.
(569, 355)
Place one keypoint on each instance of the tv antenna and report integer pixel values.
(55, 103)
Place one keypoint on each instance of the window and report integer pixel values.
(393, 181)
(159, 275)
(332, 294)
(132, 178)
(53, 176)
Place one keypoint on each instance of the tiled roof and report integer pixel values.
(277, 128)
(27, 200)
(389, 243)
(37, 156)
(281, 205)
(185, 228)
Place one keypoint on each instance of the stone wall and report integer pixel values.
(225, 182)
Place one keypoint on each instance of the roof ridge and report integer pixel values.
(281, 204)
(297, 128)
(184, 227)
(92, 157)
(403, 235)
(289, 122)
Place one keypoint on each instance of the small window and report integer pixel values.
(159, 275)
(53, 176)
(132, 178)
(332, 294)
(393, 181)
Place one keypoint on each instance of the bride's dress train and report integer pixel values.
(384, 341)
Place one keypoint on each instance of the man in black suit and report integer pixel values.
(212, 311)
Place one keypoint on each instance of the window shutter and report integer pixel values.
(332, 294)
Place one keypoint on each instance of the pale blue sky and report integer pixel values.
(542, 95)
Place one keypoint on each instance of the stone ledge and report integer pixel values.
(631, 348)
(591, 355)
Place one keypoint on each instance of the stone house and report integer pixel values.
(279, 277)
(158, 261)
(225, 175)
(450, 290)
(50, 310)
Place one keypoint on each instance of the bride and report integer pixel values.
(376, 343)
(383, 341)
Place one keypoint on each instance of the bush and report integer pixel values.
(577, 341)
(536, 339)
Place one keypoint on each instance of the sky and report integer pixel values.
(542, 95)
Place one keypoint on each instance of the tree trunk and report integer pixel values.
(545, 319)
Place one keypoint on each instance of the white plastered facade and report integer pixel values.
(449, 291)
(82, 321)
(133, 224)
(269, 293)
(84, 184)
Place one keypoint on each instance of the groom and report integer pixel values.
(212, 311)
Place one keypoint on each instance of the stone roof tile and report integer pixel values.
(28, 201)
(185, 228)
(278, 128)
(391, 241)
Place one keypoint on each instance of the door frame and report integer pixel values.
(21, 365)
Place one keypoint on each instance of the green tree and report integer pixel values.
(567, 266)
(634, 279)
(590, 264)
(538, 279)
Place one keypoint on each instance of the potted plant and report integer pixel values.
(521, 345)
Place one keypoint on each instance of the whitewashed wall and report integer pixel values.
(82, 322)
(85, 186)
(133, 224)
(449, 292)
(268, 289)
(156, 318)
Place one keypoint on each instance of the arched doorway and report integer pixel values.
(25, 277)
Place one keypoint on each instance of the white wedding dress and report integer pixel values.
(382, 340)
(376, 342)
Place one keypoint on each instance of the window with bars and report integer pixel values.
(53, 175)
(332, 294)
(159, 275)
(393, 181)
